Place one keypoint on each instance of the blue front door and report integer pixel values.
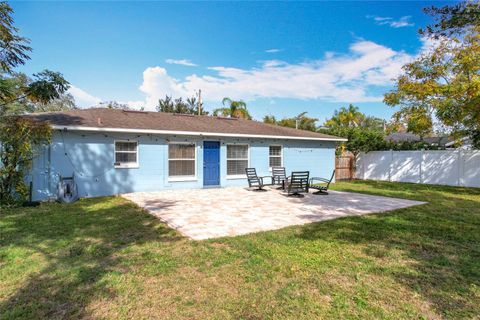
(211, 163)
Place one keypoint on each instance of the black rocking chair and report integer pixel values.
(255, 181)
(298, 183)
(279, 176)
(319, 184)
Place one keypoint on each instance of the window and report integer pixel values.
(237, 159)
(126, 154)
(275, 156)
(181, 161)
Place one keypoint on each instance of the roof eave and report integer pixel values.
(192, 133)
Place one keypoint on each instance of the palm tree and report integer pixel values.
(166, 105)
(270, 119)
(352, 116)
(346, 117)
(233, 108)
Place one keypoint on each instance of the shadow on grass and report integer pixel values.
(420, 190)
(81, 244)
(442, 238)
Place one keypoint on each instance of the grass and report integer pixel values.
(106, 258)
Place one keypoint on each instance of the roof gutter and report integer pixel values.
(190, 133)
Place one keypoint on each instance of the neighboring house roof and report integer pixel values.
(402, 136)
(439, 141)
(465, 143)
(410, 137)
(116, 120)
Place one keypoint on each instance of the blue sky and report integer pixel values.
(281, 58)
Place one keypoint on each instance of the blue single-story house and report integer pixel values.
(111, 151)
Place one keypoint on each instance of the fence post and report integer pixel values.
(390, 166)
(353, 168)
(460, 167)
(422, 159)
(363, 168)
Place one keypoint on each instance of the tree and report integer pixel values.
(166, 105)
(114, 105)
(364, 133)
(374, 123)
(416, 120)
(270, 119)
(193, 105)
(452, 20)
(32, 95)
(14, 48)
(189, 106)
(301, 121)
(346, 117)
(359, 139)
(443, 83)
(233, 108)
(352, 117)
(14, 51)
(20, 138)
(63, 103)
(18, 92)
(395, 126)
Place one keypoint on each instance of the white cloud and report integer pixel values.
(182, 62)
(157, 83)
(270, 63)
(337, 77)
(430, 43)
(329, 54)
(135, 104)
(402, 22)
(83, 99)
(273, 50)
(394, 23)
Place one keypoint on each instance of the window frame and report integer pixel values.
(281, 155)
(182, 178)
(236, 176)
(126, 165)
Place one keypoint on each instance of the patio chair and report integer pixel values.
(298, 183)
(255, 181)
(319, 184)
(279, 176)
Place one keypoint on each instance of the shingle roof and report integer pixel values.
(402, 136)
(160, 122)
(410, 137)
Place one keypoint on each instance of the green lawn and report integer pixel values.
(105, 258)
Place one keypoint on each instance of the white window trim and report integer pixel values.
(281, 155)
(130, 165)
(182, 178)
(237, 176)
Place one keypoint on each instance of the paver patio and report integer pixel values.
(211, 213)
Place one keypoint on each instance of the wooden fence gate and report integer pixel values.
(344, 168)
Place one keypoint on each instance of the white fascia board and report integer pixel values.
(189, 133)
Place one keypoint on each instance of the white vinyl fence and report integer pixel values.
(447, 167)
